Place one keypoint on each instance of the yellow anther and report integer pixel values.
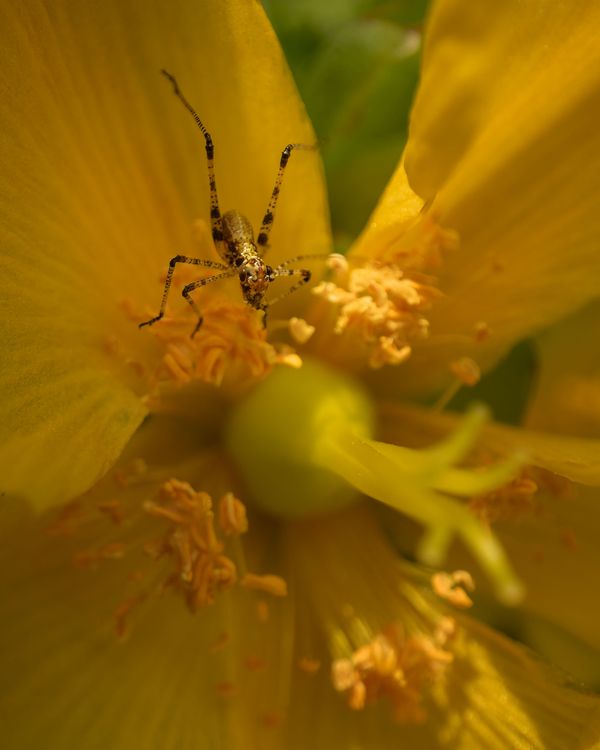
(191, 540)
(453, 587)
(300, 330)
(338, 263)
(380, 307)
(390, 666)
(269, 584)
(233, 519)
(289, 358)
(466, 370)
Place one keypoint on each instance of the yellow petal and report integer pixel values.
(397, 208)
(104, 173)
(515, 700)
(558, 557)
(504, 146)
(494, 694)
(567, 393)
(567, 401)
(178, 679)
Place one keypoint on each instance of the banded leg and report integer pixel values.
(267, 222)
(281, 270)
(189, 288)
(298, 258)
(172, 263)
(215, 214)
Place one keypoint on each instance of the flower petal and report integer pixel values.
(494, 694)
(516, 701)
(212, 678)
(567, 394)
(558, 557)
(104, 174)
(396, 210)
(68, 682)
(504, 147)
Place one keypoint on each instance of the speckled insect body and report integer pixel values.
(240, 251)
(234, 240)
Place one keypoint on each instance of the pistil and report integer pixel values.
(304, 441)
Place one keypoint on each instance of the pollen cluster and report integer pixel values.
(193, 543)
(381, 306)
(189, 544)
(230, 346)
(202, 569)
(396, 668)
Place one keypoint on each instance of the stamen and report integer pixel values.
(397, 668)
(230, 346)
(204, 571)
(229, 351)
(232, 515)
(178, 530)
(466, 372)
(453, 587)
(384, 298)
(300, 330)
(381, 309)
(269, 584)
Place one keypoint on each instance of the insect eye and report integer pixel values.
(239, 261)
(243, 276)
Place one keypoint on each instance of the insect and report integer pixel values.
(234, 240)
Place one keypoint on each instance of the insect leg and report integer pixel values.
(189, 288)
(281, 270)
(172, 263)
(297, 258)
(267, 222)
(215, 214)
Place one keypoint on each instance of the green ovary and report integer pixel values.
(303, 441)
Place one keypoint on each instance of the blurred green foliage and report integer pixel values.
(356, 65)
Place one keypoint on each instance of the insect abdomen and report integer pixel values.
(237, 229)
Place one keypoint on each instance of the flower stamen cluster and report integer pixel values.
(397, 668)
(202, 568)
(382, 307)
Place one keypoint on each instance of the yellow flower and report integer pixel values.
(230, 471)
